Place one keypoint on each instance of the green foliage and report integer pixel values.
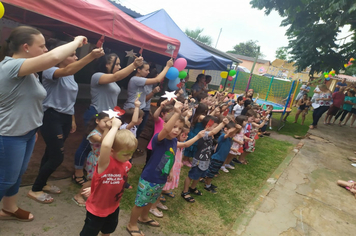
(282, 53)
(248, 49)
(196, 34)
(313, 29)
(351, 70)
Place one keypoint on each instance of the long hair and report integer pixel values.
(18, 36)
(202, 109)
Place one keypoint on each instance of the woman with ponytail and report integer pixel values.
(21, 94)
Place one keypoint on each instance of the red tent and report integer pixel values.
(91, 18)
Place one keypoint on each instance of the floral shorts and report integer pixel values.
(147, 192)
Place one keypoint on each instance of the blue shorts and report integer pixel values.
(195, 173)
(147, 192)
(214, 168)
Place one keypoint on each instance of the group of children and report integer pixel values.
(208, 132)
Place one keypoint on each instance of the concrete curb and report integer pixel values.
(244, 219)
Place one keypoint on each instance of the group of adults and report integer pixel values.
(28, 105)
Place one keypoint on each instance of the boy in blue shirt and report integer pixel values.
(218, 158)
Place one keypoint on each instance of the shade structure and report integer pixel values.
(196, 57)
(92, 18)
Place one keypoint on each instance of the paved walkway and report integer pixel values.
(304, 199)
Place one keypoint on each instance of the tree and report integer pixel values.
(313, 27)
(282, 53)
(195, 34)
(248, 49)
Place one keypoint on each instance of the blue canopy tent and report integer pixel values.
(196, 57)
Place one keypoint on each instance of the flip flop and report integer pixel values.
(76, 202)
(44, 198)
(149, 223)
(19, 215)
(162, 199)
(131, 232)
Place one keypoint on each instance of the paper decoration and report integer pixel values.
(130, 53)
(141, 50)
(256, 137)
(241, 149)
(111, 113)
(209, 124)
(100, 42)
(170, 49)
(119, 111)
(226, 112)
(169, 95)
(138, 94)
(179, 85)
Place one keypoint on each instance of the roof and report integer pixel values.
(347, 77)
(197, 57)
(128, 11)
(283, 63)
(246, 58)
(215, 51)
(93, 18)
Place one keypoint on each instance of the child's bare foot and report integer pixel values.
(294, 122)
(79, 200)
(134, 231)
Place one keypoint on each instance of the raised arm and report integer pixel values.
(121, 74)
(106, 145)
(159, 110)
(171, 122)
(219, 127)
(152, 93)
(161, 75)
(190, 142)
(52, 58)
(134, 115)
(74, 67)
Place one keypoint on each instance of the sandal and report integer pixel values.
(79, 180)
(156, 212)
(43, 198)
(128, 186)
(51, 189)
(162, 207)
(150, 223)
(134, 232)
(162, 199)
(78, 203)
(188, 199)
(195, 191)
(20, 215)
(170, 194)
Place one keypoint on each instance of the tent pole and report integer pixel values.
(253, 67)
(233, 87)
(269, 87)
(285, 107)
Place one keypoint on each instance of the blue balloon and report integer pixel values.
(172, 84)
(172, 73)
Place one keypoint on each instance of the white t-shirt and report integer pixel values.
(133, 129)
(238, 109)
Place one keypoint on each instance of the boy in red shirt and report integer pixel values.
(108, 181)
(338, 102)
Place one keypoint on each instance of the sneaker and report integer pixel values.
(213, 186)
(210, 189)
(223, 168)
(228, 166)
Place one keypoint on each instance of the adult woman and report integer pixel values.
(104, 93)
(58, 118)
(198, 86)
(323, 104)
(137, 85)
(21, 113)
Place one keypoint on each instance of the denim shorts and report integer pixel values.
(147, 192)
(214, 168)
(195, 173)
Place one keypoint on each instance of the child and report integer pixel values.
(201, 160)
(349, 185)
(176, 172)
(248, 140)
(159, 116)
(238, 107)
(157, 171)
(132, 118)
(238, 140)
(269, 110)
(301, 106)
(338, 102)
(349, 101)
(218, 158)
(195, 128)
(108, 181)
(306, 109)
(98, 127)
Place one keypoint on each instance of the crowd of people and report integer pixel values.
(207, 132)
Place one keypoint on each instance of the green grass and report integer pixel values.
(291, 128)
(214, 214)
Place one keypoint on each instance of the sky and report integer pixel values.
(238, 20)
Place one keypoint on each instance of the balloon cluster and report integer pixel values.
(349, 63)
(176, 73)
(228, 75)
(328, 75)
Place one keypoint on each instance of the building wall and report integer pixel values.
(258, 66)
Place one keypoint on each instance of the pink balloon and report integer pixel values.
(230, 78)
(180, 64)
